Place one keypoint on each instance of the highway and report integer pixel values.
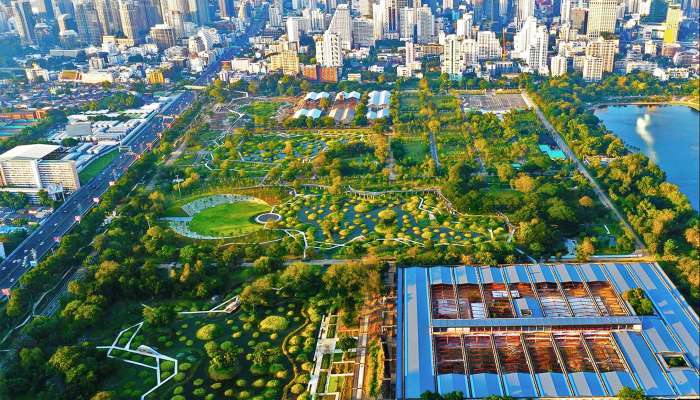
(60, 222)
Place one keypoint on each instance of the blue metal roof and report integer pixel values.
(517, 274)
(484, 385)
(519, 384)
(682, 319)
(567, 273)
(620, 277)
(593, 273)
(552, 384)
(466, 274)
(644, 364)
(617, 380)
(453, 383)
(417, 343)
(542, 273)
(529, 303)
(440, 275)
(586, 384)
(399, 336)
(491, 275)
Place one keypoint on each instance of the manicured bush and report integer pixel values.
(222, 374)
(199, 392)
(258, 383)
(241, 382)
(244, 395)
(207, 332)
(229, 393)
(179, 377)
(178, 397)
(178, 390)
(297, 389)
(216, 385)
(274, 323)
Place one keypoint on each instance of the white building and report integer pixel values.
(558, 65)
(525, 10)
(363, 32)
(329, 50)
(530, 45)
(602, 17)
(592, 68)
(341, 25)
(31, 168)
(488, 45)
(425, 25)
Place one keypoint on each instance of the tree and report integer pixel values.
(627, 393)
(585, 249)
(265, 264)
(44, 198)
(524, 183)
(159, 316)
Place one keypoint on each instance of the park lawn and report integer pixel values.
(228, 219)
(264, 109)
(415, 151)
(95, 167)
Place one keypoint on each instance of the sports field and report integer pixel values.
(228, 219)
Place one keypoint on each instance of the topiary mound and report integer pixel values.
(207, 332)
(274, 323)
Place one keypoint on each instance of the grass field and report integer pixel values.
(265, 109)
(95, 167)
(228, 219)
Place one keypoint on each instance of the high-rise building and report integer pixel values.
(579, 19)
(592, 68)
(293, 29)
(378, 19)
(286, 60)
(108, 15)
(605, 49)
(425, 25)
(132, 26)
(530, 45)
(558, 66)
(565, 11)
(407, 23)
(163, 36)
(464, 26)
(88, 23)
(452, 59)
(43, 8)
(488, 45)
(274, 13)
(24, 20)
(363, 32)
(602, 17)
(329, 50)
(200, 12)
(341, 25)
(526, 9)
(448, 4)
(35, 167)
(227, 9)
(410, 50)
(673, 20)
(63, 7)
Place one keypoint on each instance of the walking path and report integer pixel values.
(582, 168)
(359, 377)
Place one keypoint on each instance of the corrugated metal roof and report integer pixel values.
(567, 273)
(453, 382)
(466, 274)
(484, 385)
(643, 363)
(617, 380)
(440, 275)
(491, 275)
(519, 384)
(552, 384)
(517, 274)
(542, 273)
(586, 384)
(593, 273)
(417, 346)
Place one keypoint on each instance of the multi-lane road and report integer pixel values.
(55, 226)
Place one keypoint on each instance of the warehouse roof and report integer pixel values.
(29, 152)
(583, 340)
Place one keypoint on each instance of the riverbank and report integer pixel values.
(688, 102)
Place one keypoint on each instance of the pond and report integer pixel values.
(668, 135)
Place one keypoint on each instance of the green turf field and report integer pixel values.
(265, 109)
(96, 167)
(229, 219)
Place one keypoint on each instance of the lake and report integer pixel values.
(668, 135)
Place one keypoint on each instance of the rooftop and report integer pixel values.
(559, 330)
(29, 152)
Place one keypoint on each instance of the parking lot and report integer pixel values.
(493, 102)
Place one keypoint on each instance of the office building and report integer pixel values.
(543, 331)
(407, 23)
(464, 26)
(605, 49)
(452, 59)
(200, 12)
(24, 20)
(531, 44)
(108, 16)
(293, 29)
(488, 45)
(286, 61)
(673, 21)
(425, 25)
(565, 11)
(163, 36)
(362, 32)
(579, 19)
(592, 68)
(602, 17)
(275, 17)
(525, 10)
(88, 23)
(31, 168)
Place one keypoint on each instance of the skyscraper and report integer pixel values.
(605, 49)
(88, 23)
(24, 20)
(133, 19)
(673, 20)
(227, 9)
(341, 25)
(200, 12)
(526, 8)
(425, 25)
(44, 8)
(329, 51)
(565, 11)
(602, 16)
(108, 16)
(531, 44)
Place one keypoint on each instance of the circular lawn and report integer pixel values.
(229, 219)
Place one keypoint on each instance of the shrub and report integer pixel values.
(178, 397)
(207, 332)
(244, 395)
(297, 389)
(178, 390)
(272, 383)
(307, 366)
(216, 385)
(258, 383)
(241, 382)
(198, 382)
(229, 393)
(639, 301)
(199, 392)
(222, 374)
(179, 377)
(274, 323)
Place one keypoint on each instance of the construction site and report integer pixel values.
(535, 331)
